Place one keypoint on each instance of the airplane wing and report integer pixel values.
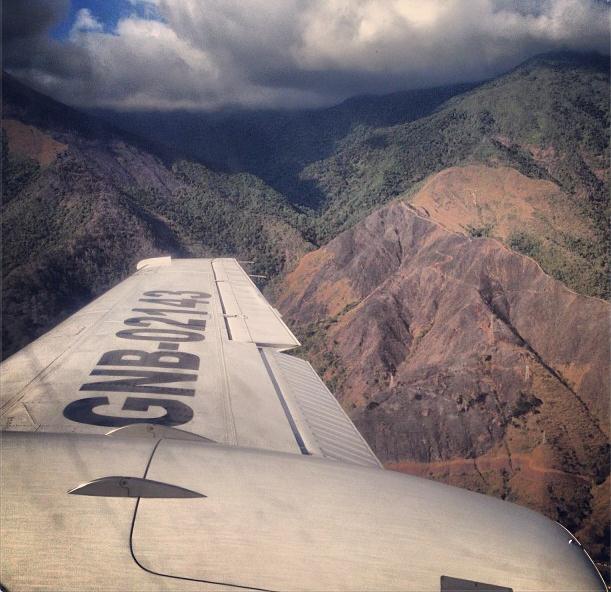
(189, 344)
(160, 439)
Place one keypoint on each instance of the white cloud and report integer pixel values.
(210, 53)
(85, 22)
(415, 36)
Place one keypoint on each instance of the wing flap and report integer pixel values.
(326, 427)
(249, 316)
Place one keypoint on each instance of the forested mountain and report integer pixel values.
(73, 183)
(277, 145)
(82, 203)
(539, 131)
(547, 120)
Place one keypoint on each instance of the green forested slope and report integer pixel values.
(277, 145)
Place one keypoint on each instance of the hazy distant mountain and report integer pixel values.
(460, 360)
(277, 145)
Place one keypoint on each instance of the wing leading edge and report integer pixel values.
(190, 344)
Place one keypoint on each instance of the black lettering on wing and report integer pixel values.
(161, 312)
(156, 359)
(84, 411)
(174, 335)
(141, 381)
(192, 294)
(178, 302)
(196, 324)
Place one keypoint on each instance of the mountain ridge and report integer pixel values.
(373, 175)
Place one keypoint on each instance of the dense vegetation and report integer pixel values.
(220, 214)
(277, 145)
(16, 172)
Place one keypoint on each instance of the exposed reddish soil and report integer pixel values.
(462, 361)
(28, 141)
(498, 199)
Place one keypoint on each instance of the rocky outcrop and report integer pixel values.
(461, 360)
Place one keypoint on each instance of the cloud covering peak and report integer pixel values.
(208, 54)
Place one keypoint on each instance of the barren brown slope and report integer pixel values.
(497, 200)
(26, 141)
(534, 216)
(463, 361)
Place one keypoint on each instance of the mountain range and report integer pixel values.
(547, 119)
(442, 254)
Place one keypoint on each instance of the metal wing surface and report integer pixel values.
(291, 499)
(186, 344)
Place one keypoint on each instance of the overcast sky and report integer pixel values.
(208, 54)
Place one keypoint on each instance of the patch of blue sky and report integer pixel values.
(107, 12)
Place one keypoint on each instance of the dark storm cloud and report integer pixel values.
(207, 54)
(20, 20)
(32, 54)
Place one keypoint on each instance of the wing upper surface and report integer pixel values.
(190, 344)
